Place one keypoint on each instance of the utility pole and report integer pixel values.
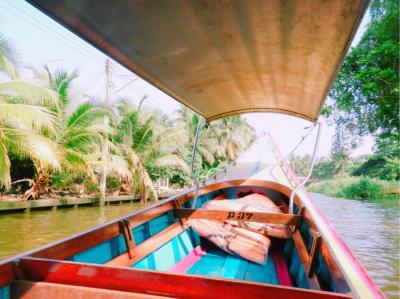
(106, 120)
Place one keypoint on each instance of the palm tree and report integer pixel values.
(80, 130)
(218, 142)
(144, 139)
(208, 146)
(26, 118)
(234, 134)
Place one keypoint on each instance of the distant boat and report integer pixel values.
(219, 58)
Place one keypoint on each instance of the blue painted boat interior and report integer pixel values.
(218, 263)
(5, 292)
(215, 262)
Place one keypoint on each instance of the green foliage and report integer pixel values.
(338, 165)
(363, 189)
(300, 164)
(69, 182)
(355, 188)
(366, 90)
(113, 182)
(385, 164)
(323, 170)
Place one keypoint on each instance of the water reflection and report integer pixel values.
(23, 231)
(371, 229)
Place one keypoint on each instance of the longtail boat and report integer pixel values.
(219, 58)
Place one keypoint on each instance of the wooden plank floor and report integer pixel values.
(218, 263)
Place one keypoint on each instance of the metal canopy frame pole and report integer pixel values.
(301, 141)
(193, 173)
(314, 156)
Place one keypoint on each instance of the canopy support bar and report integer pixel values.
(314, 156)
(193, 173)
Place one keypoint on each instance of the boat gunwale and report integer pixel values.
(85, 268)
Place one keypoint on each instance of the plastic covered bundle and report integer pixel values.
(243, 238)
(251, 203)
(235, 240)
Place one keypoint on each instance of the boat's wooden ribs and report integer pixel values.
(305, 259)
(148, 246)
(128, 237)
(154, 282)
(314, 249)
(237, 216)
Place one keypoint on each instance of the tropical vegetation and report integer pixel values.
(55, 140)
(364, 100)
(363, 188)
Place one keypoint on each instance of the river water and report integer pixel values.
(370, 229)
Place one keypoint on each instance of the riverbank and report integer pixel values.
(30, 205)
(15, 204)
(363, 188)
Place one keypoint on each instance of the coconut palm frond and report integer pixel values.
(116, 166)
(5, 178)
(124, 132)
(74, 162)
(8, 58)
(61, 82)
(173, 161)
(26, 92)
(27, 143)
(93, 156)
(86, 114)
(35, 117)
(98, 127)
(206, 154)
(81, 141)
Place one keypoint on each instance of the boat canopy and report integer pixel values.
(222, 58)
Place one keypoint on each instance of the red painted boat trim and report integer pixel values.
(155, 282)
(193, 257)
(282, 271)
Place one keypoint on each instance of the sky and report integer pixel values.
(39, 40)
